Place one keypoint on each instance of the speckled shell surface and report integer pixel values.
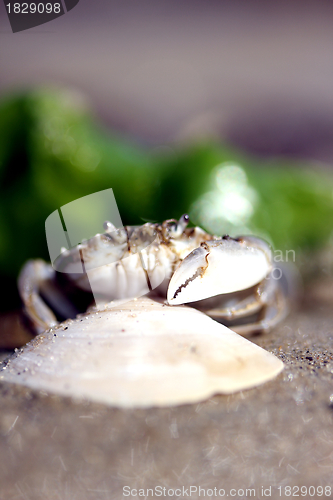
(141, 353)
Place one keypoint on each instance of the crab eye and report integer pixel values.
(177, 228)
(108, 226)
(182, 223)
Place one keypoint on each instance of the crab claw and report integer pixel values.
(220, 266)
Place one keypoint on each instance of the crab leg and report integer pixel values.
(271, 315)
(238, 307)
(36, 278)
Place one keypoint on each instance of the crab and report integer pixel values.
(137, 351)
(229, 279)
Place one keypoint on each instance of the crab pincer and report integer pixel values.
(220, 266)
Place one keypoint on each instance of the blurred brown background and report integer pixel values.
(258, 73)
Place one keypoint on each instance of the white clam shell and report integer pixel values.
(142, 353)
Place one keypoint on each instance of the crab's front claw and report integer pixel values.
(220, 266)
